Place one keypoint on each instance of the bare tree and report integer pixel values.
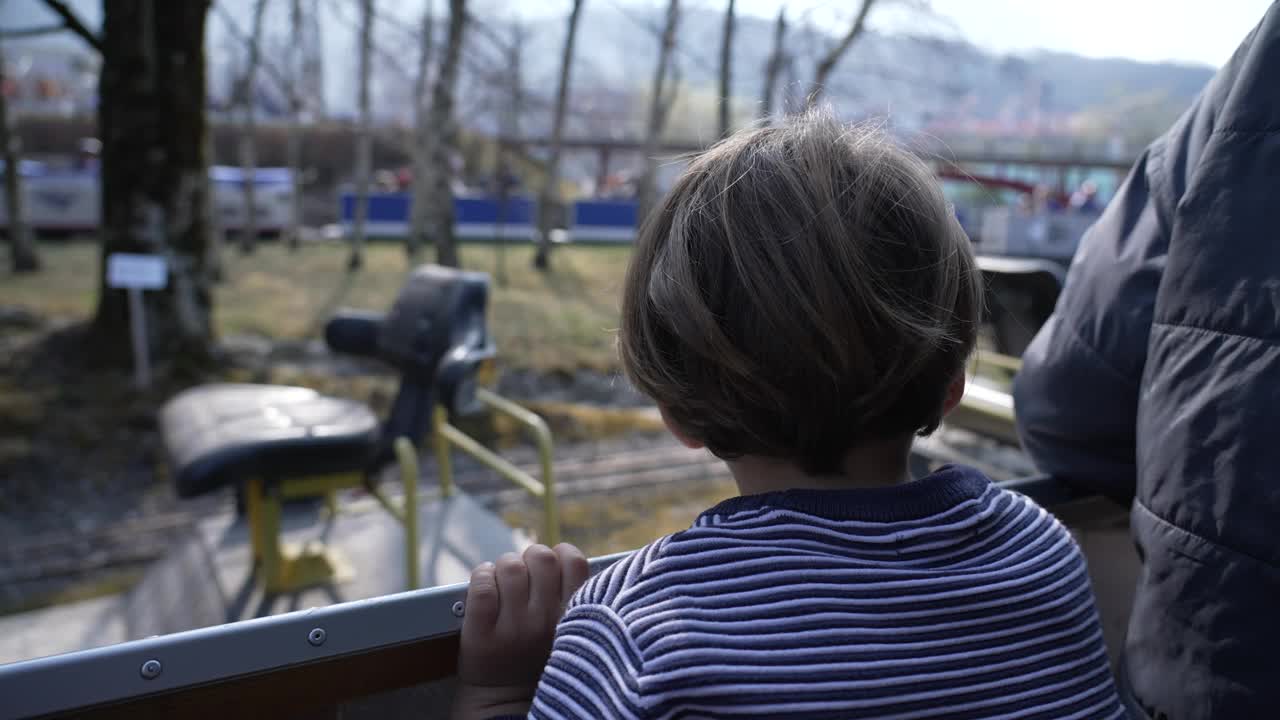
(292, 82)
(71, 22)
(155, 189)
(212, 214)
(282, 79)
(22, 250)
(151, 113)
(773, 67)
(550, 190)
(726, 71)
(248, 131)
(510, 128)
(364, 140)
(293, 144)
(421, 131)
(659, 105)
(444, 138)
(313, 89)
(828, 61)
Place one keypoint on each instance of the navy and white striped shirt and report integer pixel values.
(944, 597)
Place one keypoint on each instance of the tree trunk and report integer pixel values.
(726, 71)
(314, 62)
(444, 139)
(659, 103)
(421, 132)
(364, 143)
(549, 196)
(293, 146)
(217, 233)
(248, 140)
(773, 68)
(151, 114)
(509, 127)
(22, 250)
(828, 61)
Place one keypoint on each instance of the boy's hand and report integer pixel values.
(510, 621)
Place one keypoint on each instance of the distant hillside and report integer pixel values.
(942, 86)
(919, 82)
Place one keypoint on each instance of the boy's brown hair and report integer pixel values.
(802, 290)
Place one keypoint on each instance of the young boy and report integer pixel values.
(802, 304)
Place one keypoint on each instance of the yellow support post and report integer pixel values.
(269, 534)
(331, 503)
(997, 360)
(444, 466)
(487, 373)
(318, 485)
(408, 459)
(541, 436)
(491, 460)
(444, 435)
(253, 504)
(987, 412)
(290, 569)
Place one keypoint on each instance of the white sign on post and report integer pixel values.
(144, 272)
(136, 273)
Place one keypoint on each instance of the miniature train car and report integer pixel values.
(69, 200)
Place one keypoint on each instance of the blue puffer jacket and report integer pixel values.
(1158, 379)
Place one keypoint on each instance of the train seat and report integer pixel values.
(275, 443)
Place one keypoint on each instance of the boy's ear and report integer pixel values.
(955, 391)
(685, 440)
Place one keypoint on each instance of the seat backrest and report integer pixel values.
(434, 334)
(438, 316)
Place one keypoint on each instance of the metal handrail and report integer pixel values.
(247, 668)
(446, 435)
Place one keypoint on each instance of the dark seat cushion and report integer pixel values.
(216, 435)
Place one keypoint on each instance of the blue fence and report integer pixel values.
(603, 221)
(612, 221)
(230, 175)
(487, 218)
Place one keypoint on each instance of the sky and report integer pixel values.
(1191, 31)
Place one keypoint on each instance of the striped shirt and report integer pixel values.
(944, 597)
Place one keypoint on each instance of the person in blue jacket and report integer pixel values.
(1157, 381)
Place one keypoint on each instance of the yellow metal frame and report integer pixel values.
(984, 410)
(995, 360)
(445, 435)
(407, 513)
(288, 568)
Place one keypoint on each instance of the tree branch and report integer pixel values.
(774, 66)
(32, 31)
(72, 23)
(726, 71)
(670, 94)
(492, 35)
(283, 83)
(828, 62)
